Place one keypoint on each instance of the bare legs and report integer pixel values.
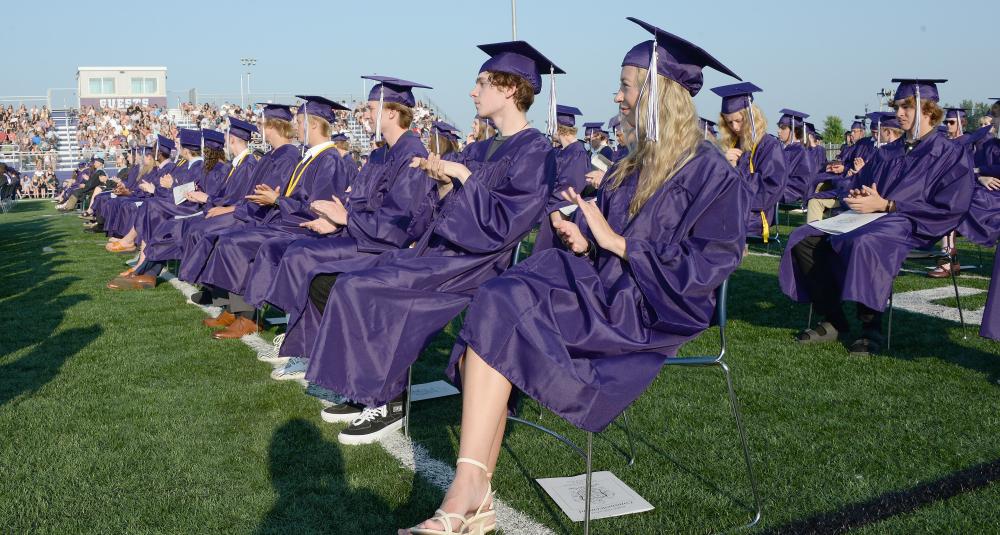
(484, 416)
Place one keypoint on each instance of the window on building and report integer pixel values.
(102, 86)
(143, 86)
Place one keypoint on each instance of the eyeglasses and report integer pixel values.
(950, 122)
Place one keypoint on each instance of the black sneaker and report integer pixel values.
(374, 423)
(344, 412)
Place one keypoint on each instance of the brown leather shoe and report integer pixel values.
(222, 320)
(942, 272)
(133, 282)
(240, 327)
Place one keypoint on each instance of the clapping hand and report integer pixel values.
(606, 237)
(865, 200)
(320, 226)
(263, 195)
(333, 210)
(167, 181)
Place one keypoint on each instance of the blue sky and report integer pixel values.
(819, 57)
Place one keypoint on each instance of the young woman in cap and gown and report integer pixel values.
(585, 331)
(922, 182)
(756, 154)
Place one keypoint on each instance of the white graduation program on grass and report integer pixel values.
(845, 222)
(609, 496)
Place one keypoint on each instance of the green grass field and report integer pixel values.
(119, 414)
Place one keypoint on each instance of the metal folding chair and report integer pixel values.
(697, 361)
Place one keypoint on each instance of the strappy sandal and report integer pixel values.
(479, 523)
(823, 332)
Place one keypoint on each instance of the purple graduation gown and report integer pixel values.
(982, 223)
(159, 210)
(377, 320)
(766, 183)
(572, 166)
(389, 208)
(124, 218)
(799, 166)
(229, 184)
(321, 176)
(931, 186)
(273, 169)
(586, 336)
(991, 314)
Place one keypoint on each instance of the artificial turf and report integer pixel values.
(119, 414)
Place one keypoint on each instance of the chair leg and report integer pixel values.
(735, 405)
(888, 338)
(628, 436)
(958, 301)
(406, 415)
(809, 320)
(587, 491)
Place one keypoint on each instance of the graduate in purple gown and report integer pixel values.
(320, 175)
(757, 155)
(225, 186)
(816, 149)
(585, 331)
(981, 224)
(621, 150)
(389, 208)
(798, 163)
(124, 222)
(922, 182)
(572, 166)
(265, 183)
(708, 130)
(376, 321)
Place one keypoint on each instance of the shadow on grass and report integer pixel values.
(914, 336)
(895, 503)
(30, 373)
(316, 495)
(32, 307)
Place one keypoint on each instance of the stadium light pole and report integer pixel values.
(247, 62)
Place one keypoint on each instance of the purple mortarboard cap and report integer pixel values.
(889, 120)
(566, 115)
(339, 136)
(614, 122)
(442, 127)
(389, 89)
(321, 107)
(489, 122)
(790, 117)
(676, 58)
(241, 129)
(736, 97)
(955, 113)
(190, 139)
(214, 139)
(858, 124)
(165, 145)
(916, 87)
(278, 111)
(521, 59)
(97, 158)
(590, 128)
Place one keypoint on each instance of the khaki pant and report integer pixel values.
(816, 207)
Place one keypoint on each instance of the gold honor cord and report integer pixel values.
(300, 169)
(766, 229)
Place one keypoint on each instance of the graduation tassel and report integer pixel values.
(878, 135)
(753, 125)
(652, 99)
(378, 117)
(916, 123)
(305, 114)
(552, 126)
(227, 151)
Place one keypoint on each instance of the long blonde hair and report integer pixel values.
(744, 140)
(658, 161)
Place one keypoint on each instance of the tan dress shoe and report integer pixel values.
(222, 320)
(133, 282)
(241, 327)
